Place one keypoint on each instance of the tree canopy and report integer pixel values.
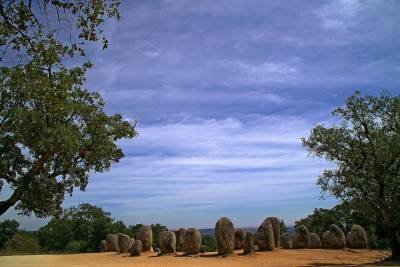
(45, 31)
(85, 226)
(53, 131)
(365, 147)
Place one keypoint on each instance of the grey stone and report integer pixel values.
(112, 242)
(286, 241)
(145, 235)
(356, 238)
(334, 238)
(192, 241)
(180, 238)
(103, 246)
(248, 243)
(136, 248)
(239, 238)
(302, 237)
(167, 242)
(124, 242)
(225, 236)
(315, 241)
(265, 234)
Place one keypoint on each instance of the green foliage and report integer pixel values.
(157, 229)
(53, 134)
(320, 221)
(76, 246)
(22, 243)
(38, 30)
(53, 131)
(209, 243)
(120, 227)
(55, 235)
(365, 147)
(85, 224)
(345, 216)
(7, 229)
(134, 229)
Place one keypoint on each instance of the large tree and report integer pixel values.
(53, 131)
(365, 148)
(85, 224)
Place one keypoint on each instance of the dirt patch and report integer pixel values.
(279, 257)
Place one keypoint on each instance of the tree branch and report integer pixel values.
(19, 191)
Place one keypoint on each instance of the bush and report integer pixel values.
(76, 246)
(209, 243)
(7, 229)
(22, 243)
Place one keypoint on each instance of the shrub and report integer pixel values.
(22, 243)
(76, 246)
(209, 243)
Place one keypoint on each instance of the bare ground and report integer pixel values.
(279, 257)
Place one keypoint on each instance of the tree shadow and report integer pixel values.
(315, 264)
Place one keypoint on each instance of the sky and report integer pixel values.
(222, 92)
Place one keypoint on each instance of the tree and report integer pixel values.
(365, 147)
(53, 131)
(46, 31)
(209, 243)
(157, 229)
(7, 229)
(345, 216)
(22, 243)
(134, 229)
(85, 226)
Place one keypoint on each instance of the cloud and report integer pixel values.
(208, 164)
(337, 14)
(222, 92)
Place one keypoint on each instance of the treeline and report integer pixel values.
(345, 215)
(75, 230)
(80, 229)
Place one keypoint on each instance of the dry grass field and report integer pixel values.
(280, 257)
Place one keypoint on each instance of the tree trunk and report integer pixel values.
(395, 246)
(5, 205)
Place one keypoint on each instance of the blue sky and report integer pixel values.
(222, 92)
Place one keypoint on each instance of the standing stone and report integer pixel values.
(124, 242)
(286, 241)
(167, 242)
(225, 236)
(180, 238)
(146, 236)
(248, 243)
(356, 238)
(239, 238)
(334, 238)
(302, 238)
(192, 241)
(276, 227)
(315, 241)
(112, 242)
(265, 234)
(136, 248)
(103, 246)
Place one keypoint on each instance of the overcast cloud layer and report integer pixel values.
(222, 92)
